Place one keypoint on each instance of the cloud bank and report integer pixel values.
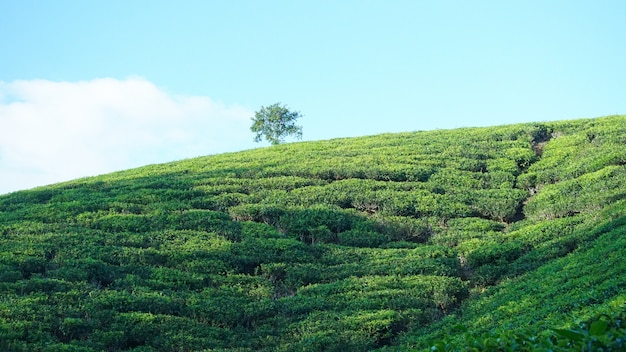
(56, 131)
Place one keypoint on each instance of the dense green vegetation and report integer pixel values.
(500, 238)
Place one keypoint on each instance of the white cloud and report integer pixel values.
(55, 131)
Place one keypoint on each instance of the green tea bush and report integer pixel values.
(603, 333)
(373, 243)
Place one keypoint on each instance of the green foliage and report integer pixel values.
(275, 122)
(585, 193)
(603, 333)
(376, 243)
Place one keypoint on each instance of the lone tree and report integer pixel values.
(275, 122)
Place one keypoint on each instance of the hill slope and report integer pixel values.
(385, 242)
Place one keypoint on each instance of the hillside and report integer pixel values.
(466, 237)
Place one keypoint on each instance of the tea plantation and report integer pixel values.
(508, 238)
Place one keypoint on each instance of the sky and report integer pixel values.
(91, 87)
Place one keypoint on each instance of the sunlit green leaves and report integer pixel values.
(380, 242)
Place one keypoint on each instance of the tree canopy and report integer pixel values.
(275, 122)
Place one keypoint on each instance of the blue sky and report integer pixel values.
(89, 87)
